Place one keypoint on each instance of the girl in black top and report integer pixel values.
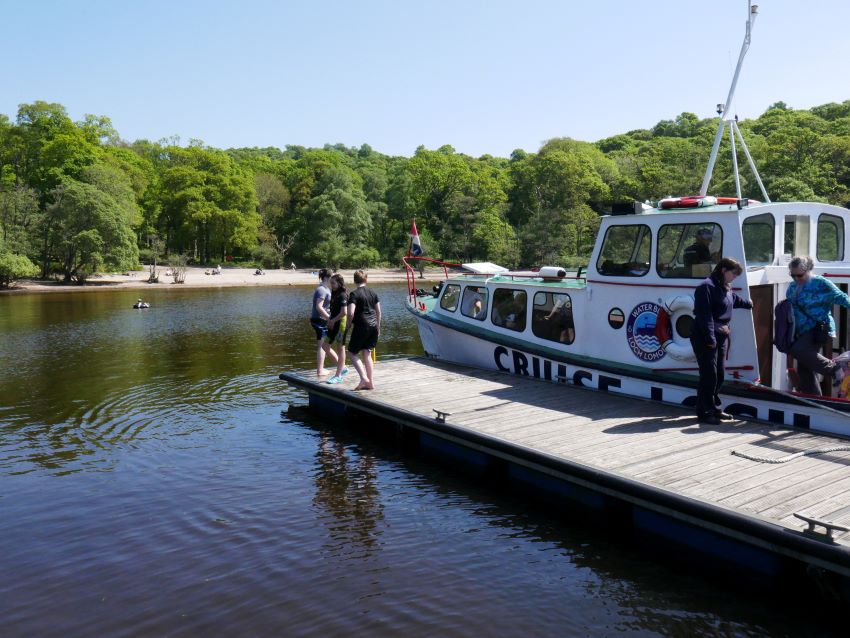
(335, 336)
(364, 315)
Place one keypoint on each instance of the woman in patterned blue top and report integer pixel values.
(812, 297)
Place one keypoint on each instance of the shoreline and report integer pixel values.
(196, 278)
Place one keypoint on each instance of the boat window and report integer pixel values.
(625, 251)
(830, 238)
(450, 298)
(796, 239)
(552, 317)
(509, 308)
(758, 232)
(688, 251)
(474, 302)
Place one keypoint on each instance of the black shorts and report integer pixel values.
(363, 339)
(320, 326)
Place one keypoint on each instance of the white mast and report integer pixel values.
(723, 109)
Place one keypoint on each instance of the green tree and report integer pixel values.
(20, 217)
(14, 267)
(334, 226)
(87, 231)
(272, 202)
(207, 203)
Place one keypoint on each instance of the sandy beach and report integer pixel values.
(197, 278)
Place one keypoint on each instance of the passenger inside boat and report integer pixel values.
(564, 311)
(474, 302)
(509, 308)
(552, 317)
(688, 251)
(700, 251)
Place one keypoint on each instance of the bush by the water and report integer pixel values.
(14, 267)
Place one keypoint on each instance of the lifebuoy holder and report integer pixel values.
(672, 311)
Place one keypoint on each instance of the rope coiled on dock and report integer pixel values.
(791, 457)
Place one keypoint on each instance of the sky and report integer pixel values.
(485, 77)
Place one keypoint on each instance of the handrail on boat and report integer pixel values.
(411, 274)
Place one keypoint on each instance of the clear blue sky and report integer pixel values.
(483, 76)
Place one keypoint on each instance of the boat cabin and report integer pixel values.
(633, 303)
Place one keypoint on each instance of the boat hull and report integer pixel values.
(448, 343)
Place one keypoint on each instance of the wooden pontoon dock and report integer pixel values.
(648, 467)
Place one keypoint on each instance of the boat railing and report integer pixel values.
(581, 275)
(410, 272)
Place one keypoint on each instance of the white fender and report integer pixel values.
(679, 348)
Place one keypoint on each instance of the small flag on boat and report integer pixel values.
(415, 244)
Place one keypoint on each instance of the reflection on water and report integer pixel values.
(346, 490)
(157, 479)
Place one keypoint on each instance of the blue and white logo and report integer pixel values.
(640, 332)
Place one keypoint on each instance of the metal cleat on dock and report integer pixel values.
(441, 416)
(828, 526)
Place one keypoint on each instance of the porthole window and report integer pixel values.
(616, 318)
(552, 317)
(450, 297)
(474, 302)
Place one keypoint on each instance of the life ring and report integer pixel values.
(674, 344)
(695, 201)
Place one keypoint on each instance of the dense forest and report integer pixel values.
(77, 199)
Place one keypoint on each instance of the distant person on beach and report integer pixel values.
(337, 324)
(319, 321)
(714, 301)
(364, 314)
(812, 297)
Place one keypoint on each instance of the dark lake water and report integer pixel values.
(156, 478)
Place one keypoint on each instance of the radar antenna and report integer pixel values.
(723, 110)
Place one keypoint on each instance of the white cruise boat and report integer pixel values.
(622, 324)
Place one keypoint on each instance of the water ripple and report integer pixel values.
(158, 479)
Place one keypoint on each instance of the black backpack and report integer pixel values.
(783, 326)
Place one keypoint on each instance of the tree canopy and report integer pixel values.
(76, 198)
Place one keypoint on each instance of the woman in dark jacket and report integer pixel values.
(713, 304)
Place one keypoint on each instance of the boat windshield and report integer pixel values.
(688, 251)
(625, 251)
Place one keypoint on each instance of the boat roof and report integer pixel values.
(746, 209)
(484, 268)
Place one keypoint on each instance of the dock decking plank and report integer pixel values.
(659, 444)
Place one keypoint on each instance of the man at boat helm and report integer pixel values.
(700, 251)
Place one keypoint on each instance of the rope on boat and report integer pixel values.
(791, 457)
